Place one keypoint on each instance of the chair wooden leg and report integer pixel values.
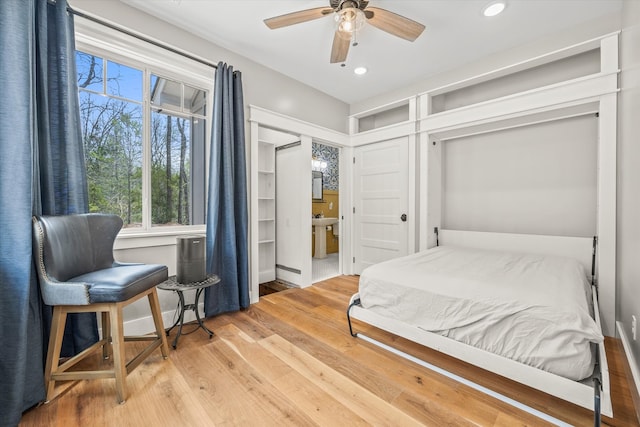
(106, 335)
(112, 344)
(156, 312)
(119, 364)
(58, 321)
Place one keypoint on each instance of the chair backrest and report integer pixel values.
(67, 246)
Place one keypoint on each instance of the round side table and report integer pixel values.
(171, 284)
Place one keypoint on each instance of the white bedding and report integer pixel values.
(530, 308)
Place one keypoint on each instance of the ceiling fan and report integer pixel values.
(350, 16)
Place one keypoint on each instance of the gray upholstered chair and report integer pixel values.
(77, 272)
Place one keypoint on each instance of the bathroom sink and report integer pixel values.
(319, 225)
(323, 221)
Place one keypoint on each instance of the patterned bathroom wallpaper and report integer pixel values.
(331, 156)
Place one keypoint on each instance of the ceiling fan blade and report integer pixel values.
(393, 23)
(297, 17)
(340, 47)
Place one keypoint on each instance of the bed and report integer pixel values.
(521, 306)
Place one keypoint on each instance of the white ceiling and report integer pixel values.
(456, 33)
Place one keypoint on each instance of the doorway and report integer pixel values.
(325, 209)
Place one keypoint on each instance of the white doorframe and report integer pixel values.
(259, 117)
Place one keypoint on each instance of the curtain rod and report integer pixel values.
(137, 36)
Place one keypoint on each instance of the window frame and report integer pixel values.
(96, 39)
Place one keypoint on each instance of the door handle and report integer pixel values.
(403, 217)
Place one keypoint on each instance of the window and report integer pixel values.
(144, 137)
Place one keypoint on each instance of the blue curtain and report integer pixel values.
(41, 172)
(227, 218)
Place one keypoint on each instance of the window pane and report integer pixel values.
(165, 93)
(194, 100)
(89, 70)
(177, 170)
(123, 81)
(117, 145)
(112, 135)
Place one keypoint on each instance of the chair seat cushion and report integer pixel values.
(121, 282)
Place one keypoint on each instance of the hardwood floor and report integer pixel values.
(273, 287)
(289, 360)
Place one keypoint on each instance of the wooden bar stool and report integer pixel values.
(77, 273)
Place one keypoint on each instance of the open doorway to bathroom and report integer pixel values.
(325, 207)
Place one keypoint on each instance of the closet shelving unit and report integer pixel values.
(266, 211)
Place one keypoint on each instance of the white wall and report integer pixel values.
(535, 179)
(384, 118)
(557, 71)
(629, 176)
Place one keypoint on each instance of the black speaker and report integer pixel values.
(190, 259)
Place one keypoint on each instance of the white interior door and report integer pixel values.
(289, 167)
(293, 211)
(381, 215)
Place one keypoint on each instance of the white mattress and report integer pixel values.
(530, 308)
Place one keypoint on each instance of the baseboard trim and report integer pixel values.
(633, 367)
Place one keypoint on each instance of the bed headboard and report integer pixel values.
(578, 248)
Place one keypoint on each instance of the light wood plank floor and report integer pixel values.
(289, 360)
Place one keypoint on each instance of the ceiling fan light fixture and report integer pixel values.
(494, 8)
(350, 17)
(350, 20)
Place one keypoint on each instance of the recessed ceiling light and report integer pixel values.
(494, 8)
(360, 71)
